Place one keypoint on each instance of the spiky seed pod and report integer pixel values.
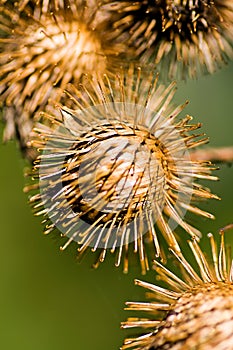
(195, 311)
(117, 165)
(41, 53)
(182, 37)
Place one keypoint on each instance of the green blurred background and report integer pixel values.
(48, 300)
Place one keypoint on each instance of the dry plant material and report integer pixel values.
(182, 37)
(195, 311)
(214, 154)
(41, 52)
(117, 165)
(46, 5)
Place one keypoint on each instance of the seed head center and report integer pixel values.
(120, 176)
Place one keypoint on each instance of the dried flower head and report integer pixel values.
(195, 311)
(118, 164)
(41, 52)
(181, 36)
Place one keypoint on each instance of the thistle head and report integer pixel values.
(182, 38)
(118, 164)
(41, 52)
(195, 311)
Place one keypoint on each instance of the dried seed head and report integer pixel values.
(118, 164)
(195, 312)
(43, 52)
(182, 37)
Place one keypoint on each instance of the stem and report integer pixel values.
(215, 155)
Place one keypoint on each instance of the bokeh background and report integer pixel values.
(47, 300)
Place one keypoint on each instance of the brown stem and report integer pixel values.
(215, 155)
